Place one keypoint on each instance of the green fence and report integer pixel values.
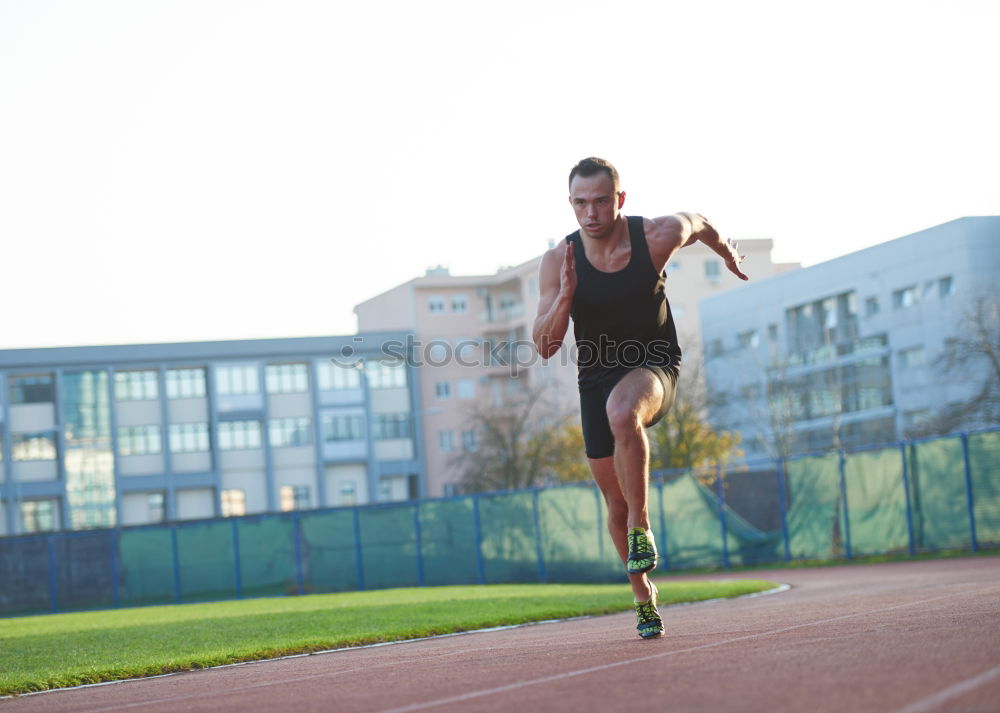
(918, 496)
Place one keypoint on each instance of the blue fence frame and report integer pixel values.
(50, 576)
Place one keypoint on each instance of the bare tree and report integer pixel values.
(975, 351)
(526, 441)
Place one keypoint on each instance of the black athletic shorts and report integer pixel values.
(597, 437)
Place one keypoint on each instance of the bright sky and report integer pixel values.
(218, 169)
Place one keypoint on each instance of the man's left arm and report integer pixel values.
(670, 233)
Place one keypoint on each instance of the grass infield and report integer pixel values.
(60, 650)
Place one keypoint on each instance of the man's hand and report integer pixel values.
(567, 275)
(733, 258)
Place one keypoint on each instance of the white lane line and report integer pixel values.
(604, 667)
(934, 700)
(775, 590)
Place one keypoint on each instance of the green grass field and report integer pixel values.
(58, 650)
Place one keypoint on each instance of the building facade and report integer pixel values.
(474, 346)
(136, 434)
(848, 352)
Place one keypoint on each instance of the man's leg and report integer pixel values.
(607, 480)
(634, 402)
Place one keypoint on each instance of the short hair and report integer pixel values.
(591, 167)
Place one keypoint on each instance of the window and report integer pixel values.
(712, 270)
(294, 497)
(234, 502)
(435, 305)
(333, 377)
(343, 427)
(748, 339)
(438, 353)
(156, 502)
(465, 350)
(915, 356)
(34, 389)
(946, 287)
(348, 492)
(136, 386)
(139, 440)
(442, 390)
(188, 437)
(286, 378)
(906, 297)
(391, 425)
(239, 435)
(38, 515)
(466, 389)
(236, 380)
(772, 332)
(871, 306)
(33, 446)
(185, 383)
(386, 374)
(446, 441)
(290, 431)
(469, 440)
(459, 304)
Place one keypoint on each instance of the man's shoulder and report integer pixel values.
(666, 229)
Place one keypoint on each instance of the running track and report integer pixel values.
(912, 637)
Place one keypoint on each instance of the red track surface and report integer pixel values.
(910, 637)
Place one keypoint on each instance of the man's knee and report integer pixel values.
(624, 421)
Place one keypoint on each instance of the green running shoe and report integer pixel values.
(650, 624)
(641, 551)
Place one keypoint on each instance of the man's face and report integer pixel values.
(595, 203)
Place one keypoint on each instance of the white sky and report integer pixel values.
(229, 169)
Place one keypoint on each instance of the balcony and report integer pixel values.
(502, 317)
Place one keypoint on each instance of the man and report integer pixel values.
(609, 276)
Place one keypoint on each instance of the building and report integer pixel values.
(843, 353)
(135, 434)
(473, 339)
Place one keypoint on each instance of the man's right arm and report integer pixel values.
(556, 285)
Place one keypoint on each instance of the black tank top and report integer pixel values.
(621, 320)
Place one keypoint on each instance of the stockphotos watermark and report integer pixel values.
(515, 355)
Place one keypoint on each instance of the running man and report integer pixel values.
(609, 277)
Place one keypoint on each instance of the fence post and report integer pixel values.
(177, 564)
(846, 510)
(300, 587)
(50, 542)
(720, 495)
(600, 523)
(359, 563)
(906, 493)
(419, 543)
(969, 498)
(779, 473)
(115, 596)
(480, 569)
(663, 530)
(237, 573)
(542, 574)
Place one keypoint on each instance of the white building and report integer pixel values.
(844, 353)
(146, 433)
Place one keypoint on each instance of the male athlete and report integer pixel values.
(609, 277)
